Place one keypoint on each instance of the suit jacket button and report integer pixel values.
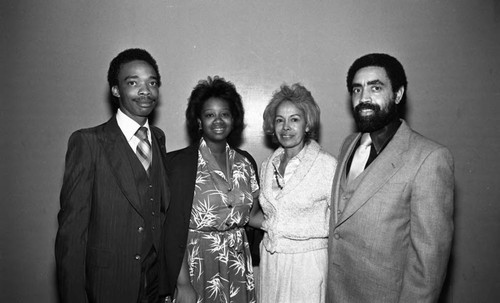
(137, 257)
(140, 229)
(336, 236)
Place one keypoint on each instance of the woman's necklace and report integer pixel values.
(277, 176)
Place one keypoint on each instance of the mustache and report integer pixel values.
(362, 106)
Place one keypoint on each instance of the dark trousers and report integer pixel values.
(148, 292)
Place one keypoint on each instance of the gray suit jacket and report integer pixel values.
(392, 241)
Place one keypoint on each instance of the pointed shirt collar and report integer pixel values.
(129, 127)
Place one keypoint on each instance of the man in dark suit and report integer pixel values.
(391, 223)
(115, 195)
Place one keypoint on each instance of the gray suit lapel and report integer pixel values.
(347, 149)
(379, 172)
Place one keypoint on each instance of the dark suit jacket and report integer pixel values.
(392, 241)
(182, 166)
(98, 245)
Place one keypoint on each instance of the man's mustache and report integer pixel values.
(362, 106)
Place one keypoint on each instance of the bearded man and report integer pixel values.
(391, 223)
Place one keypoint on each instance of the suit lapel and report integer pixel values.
(159, 141)
(187, 169)
(378, 173)
(115, 148)
(345, 153)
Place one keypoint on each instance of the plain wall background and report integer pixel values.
(55, 55)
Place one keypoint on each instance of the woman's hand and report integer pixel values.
(185, 294)
(256, 215)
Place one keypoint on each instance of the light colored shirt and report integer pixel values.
(129, 127)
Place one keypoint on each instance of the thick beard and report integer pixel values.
(379, 119)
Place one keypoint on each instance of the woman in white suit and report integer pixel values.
(296, 182)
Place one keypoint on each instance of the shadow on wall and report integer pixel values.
(447, 290)
(54, 282)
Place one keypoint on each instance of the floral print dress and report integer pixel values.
(219, 259)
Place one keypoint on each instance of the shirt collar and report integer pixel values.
(128, 126)
(380, 138)
(298, 157)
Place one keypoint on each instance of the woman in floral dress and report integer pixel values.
(220, 183)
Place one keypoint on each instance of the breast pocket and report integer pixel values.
(391, 193)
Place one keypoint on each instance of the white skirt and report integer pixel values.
(290, 278)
